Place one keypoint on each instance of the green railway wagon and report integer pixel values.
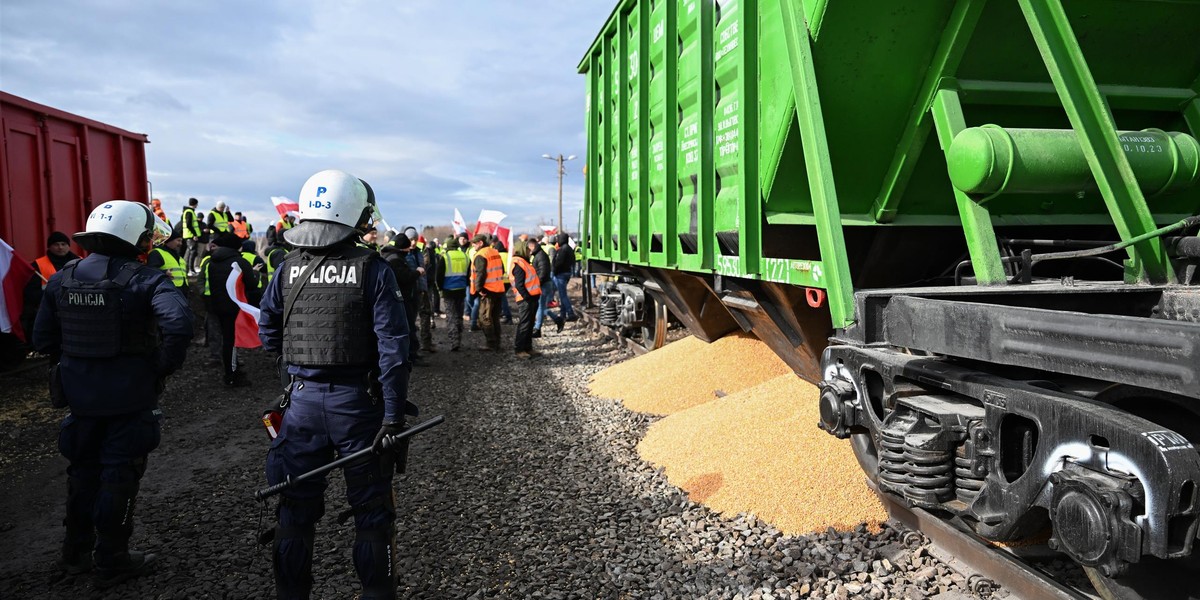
(971, 222)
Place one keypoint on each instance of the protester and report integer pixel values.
(191, 237)
(453, 282)
(434, 261)
(487, 285)
(541, 264)
(219, 304)
(562, 264)
(220, 220)
(395, 253)
(528, 289)
(240, 226)
(505, 311)
(167, 259)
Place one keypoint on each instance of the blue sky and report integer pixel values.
(438, 104)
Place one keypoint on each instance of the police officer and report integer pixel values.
(116, 329)
(334, 311)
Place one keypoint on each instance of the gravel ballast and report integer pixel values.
(531, 489)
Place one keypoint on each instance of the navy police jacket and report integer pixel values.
(125, 383)
(390, 324)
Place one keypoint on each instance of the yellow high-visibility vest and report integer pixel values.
(172, 266)
(220, 222)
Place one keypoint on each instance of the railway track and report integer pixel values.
(986, 567)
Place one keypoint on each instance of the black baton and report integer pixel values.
(388, 442)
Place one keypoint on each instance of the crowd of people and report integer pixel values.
(349, 310)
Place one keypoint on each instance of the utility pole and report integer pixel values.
(559, 160)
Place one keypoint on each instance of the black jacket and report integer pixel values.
(406, 276)
(564, 257)
(433, 263)
(541, 264)
(219, 267)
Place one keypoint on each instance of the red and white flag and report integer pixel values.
(549, 229)
(284, 206)
(459, 223)
(504, 233)
(246, 326)
(489, 220)
(15, 273)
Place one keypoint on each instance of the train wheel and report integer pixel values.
(655, 336)
(1151, 578)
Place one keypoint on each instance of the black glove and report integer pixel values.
(386, 430)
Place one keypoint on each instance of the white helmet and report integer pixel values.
(333, 204)
(122, 227)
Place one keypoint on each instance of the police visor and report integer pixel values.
(157, 230)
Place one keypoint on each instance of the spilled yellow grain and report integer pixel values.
(688, 372)
(759, 451)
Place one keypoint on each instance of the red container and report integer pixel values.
(55, 167)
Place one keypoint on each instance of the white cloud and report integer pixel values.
(437, 104)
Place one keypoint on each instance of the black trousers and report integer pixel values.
(108, 459)
(411, 309)
(228, 323)
(526, 312)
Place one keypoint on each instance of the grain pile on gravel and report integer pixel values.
(759, 451)
(688, 372)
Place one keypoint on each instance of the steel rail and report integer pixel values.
(1004, 568)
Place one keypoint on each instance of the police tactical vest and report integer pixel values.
(93, 324)
(329, 324)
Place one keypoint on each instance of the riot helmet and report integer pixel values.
(122, 228)
(333, 205)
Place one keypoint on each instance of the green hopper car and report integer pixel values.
(972, 223)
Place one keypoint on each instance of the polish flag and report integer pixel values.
(505, 234)
(283, 206)
(549, 229)
(489, 220)
(246, 327)
(15, 272)
(459, 223)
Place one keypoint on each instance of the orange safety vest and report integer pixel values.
(495, 271)
(46, 268)
(535, 288)
(239, 229)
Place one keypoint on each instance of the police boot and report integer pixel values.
(374, 552)
(115, 562)
(81, 534)
(291, 556)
